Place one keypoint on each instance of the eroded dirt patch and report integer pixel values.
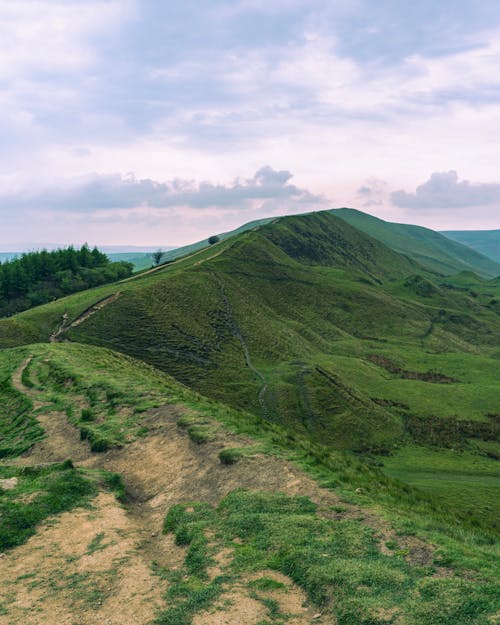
(243, 605)
(85, 567)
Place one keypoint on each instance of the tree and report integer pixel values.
(157, 256)
(213, 239)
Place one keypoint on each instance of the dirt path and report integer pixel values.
(64, 326)
(238, 335)
(62, 439)
(159, 470)
(95, 565)
(175, 262)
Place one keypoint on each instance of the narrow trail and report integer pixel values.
(238, 335)
(174, 262)
(64, 326)
(62, 439)
(159, 470)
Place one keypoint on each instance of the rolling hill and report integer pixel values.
(436, 252)
(486, 242)
(303, 410)
(297, 321)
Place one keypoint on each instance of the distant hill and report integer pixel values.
(486, 242)
(144, 260)
(433, 250)
(8, 255)
(185, 250)
(140, 260)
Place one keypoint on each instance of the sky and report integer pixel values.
(147, 122)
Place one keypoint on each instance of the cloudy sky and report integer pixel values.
(161, 122)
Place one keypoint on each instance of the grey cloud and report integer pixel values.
(104, 192)
(373, 193)
(444, 190)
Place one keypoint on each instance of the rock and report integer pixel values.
(9, 484)
(359, 491)
(318, 615)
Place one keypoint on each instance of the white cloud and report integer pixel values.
(108, 192)
(53, 36)
(444, 190)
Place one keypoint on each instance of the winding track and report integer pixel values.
(238, 335)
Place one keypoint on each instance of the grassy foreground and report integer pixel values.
(329, 558)
(337, 563)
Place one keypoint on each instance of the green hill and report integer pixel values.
(433, 250)
(297, 321)
(302, 408)
(186, 250)
(486, 242)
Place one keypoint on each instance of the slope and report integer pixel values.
(309, 323)
(433, 250)
(188, 546)
(486, 242)
(186, 250)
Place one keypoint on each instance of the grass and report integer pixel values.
(19, 429)
(460, 480)
(288, 318)
(119, 390)
(254, 304)
(338, 564)
(432, 249)
(266, 583)
(272, 528)
(230, 455)
(200, 434)
(281, 349)
(65, 376)
(41, 493)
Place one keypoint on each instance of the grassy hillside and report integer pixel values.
(140, 260)
(433, 250)
(309, 323)
(380, 548)
(486, 242)
(214, 396)
(179, 252)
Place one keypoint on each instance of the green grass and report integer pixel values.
(19, 429)
(256, 325)
(337, 563)
(117, 393)
(120, 390)
(464, 542)
(41, 493)
(435, 251)
(288, 317)
(460, 480)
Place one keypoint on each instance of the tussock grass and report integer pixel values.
(42, 492)
(337, 563)
(19, 429)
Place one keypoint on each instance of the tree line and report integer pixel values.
(39, 277)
